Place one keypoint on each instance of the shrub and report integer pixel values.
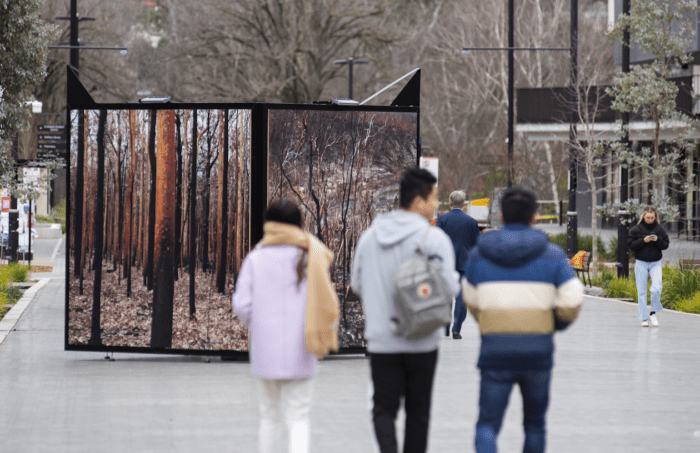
(690, 305)
(18, 272)
(611, 250)
(621, 288)
(10, 294)
(585, 242)
(678, 284)
(59, 215)
(603, 277)
(558, 239)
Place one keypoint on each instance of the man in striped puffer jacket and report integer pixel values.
(521, 289)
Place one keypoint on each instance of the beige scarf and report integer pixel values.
(322, 308)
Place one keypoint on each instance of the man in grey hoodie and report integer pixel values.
(400, 367)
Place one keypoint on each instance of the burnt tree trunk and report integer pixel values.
(78, 209)
(152, 200)
(178, 198)
(222, 230)
(95, 339)
(164, 285)
(192, 203)
(240, 227)
(118, 230)
(130, 202)
(205, 212)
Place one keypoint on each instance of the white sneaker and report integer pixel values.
(645, 323)
(654, 321)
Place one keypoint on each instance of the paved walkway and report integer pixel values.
(617, 387)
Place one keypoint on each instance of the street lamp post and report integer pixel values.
(572, 217)
(350, 62)
(623, 257)
(75, 62)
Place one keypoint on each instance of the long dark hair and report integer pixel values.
(283, 210)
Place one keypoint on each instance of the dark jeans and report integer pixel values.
(495, 390)
(410, 376)
(460, 312)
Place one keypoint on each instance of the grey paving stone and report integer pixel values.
(616, 387)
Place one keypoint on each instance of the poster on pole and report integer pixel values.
(430, 164)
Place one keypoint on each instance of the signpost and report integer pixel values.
(52, 128)
(52, 145)
(52, 138)
(50, 155)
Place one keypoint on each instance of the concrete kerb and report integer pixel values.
(8, 322)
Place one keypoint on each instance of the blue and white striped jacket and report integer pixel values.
(520, 288)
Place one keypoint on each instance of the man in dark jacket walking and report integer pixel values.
(463, 231)
(520, 288)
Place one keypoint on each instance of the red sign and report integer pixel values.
(5, 204)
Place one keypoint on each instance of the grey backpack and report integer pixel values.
(421, 298)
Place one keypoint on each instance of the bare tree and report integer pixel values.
(162, 327)
(95, 338)
(222, 229)
(148, 267)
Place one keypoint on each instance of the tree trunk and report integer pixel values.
(95, 339)
(178, 198)
(552, 177)
(118, 230)
(222, 230)
(138, 210)
(151, 200)
(192, 203)
(164, 285)
(78, 209)
(129, 200)
(240, 227)
(205, 212)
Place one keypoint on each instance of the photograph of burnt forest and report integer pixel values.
(159, 226)
(343, 168)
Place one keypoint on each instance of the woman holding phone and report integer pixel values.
(648, 239)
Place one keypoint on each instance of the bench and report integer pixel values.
(584, 270)
(688, 264)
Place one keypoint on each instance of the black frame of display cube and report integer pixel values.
(258, 189)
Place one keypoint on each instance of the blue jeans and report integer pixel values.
(495, 391)
(642, 271)
(460, 312)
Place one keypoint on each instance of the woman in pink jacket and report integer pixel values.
(285, 296)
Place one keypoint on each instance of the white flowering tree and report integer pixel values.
(23, 47)
(664, 29)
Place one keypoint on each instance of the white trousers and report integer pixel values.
(284, 407)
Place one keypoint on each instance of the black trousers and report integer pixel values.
(402, 375)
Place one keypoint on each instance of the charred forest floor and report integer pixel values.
(126, 321)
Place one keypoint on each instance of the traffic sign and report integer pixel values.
(52, 127)
(52, 145)
(51, 137)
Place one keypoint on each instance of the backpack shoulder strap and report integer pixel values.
(421, 245)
